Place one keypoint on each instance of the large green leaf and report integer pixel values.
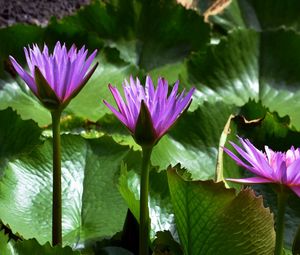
(16, 136)
(5, 247)
(110, 125)
(103, 20)
(11, 247)
(288, 252)
(214, 220)
(24, 102)
(247, 64)
(13, 39)
(194, 141)
(92, 205)
(259, 15)
(141, 40)
(171, 36)
(161, 212)
(89, 103)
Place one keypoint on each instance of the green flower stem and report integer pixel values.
(56, 203)
(281, 205)
(144, 210)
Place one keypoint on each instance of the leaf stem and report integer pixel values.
(144, 210)
(281, 205)
(56, 203)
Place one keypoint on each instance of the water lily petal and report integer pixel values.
(250, 180)
(65, 71)
(164, 110)
(275, 167)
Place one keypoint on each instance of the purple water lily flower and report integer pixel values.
(162, 110)
(56, 78)
(269, 166)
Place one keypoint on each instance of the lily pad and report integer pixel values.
(92, 205)
(194, 141)
(16, 135)
(214, 220)
(25, 247)
(259, 15)
(248, 65)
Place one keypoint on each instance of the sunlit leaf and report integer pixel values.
(11, 247)
(248, 65)
(213, 220)
(92, 205)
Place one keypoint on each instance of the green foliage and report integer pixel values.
(16, 136)
(248, 65)
(259, 15)
(194, 141)
(92, 206)
(10, 247)
(96, 90)
(160, 205)
(19, 98)
(213, 220)
(20, 35)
